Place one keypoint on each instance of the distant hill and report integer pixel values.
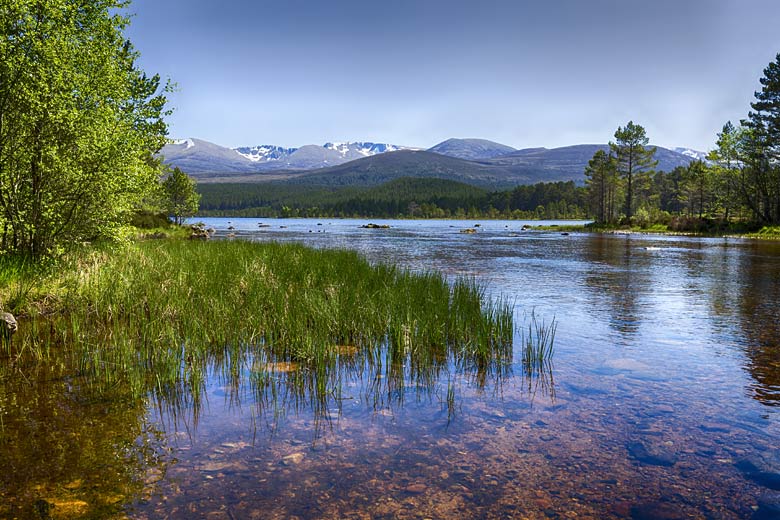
(471, 149)
(563, 163)
(519, 167)
(197, 157)
(377, 163)
(379, 169)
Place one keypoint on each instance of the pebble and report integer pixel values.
(416, 488)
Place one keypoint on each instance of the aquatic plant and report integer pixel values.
(538, 341)
(155, 315)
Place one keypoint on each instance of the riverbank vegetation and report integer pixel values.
(155, 312)
(80, 124)
(736, 189)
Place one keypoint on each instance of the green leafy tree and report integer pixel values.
(635, 161)
(181, 199)
(79, 122)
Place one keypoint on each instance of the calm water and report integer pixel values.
(661, 401)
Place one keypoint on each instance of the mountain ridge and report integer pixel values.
(367, 163)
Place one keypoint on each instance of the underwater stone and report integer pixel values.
(293, 459)
(640, 452)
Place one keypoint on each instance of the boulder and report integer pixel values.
(8, 324)
(200, 235)
(375, 226)
(652, 455)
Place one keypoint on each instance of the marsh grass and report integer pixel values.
(538, 341)
(154, 316)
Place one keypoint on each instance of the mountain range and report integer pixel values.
(475, 161)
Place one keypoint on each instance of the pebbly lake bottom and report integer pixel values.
(660, 401)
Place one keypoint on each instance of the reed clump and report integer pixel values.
(538, 342)
(156, 314)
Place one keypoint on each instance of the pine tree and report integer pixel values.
(601, 184)
(765, 119)
(635, 160)
(761, 146)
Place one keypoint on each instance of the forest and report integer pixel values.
(402, 198)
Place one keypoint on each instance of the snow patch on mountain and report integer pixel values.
(187, 143)
(310, 156)
(693, 154)
(265, 152)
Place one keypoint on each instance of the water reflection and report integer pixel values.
(71, 446)
(614, 274)
(86, 444)
(759, 311)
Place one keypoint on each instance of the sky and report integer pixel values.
(524, 73)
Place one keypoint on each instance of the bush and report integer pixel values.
(150, 220)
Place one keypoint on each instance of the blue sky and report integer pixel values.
(415, 72)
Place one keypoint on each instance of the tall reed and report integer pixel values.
(156, 315)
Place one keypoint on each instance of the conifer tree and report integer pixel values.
(765, 117)
(601, 183)
(635, 161)
(762, 147)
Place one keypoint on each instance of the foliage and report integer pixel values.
(634, 161)
(764, 120)
(401, 198)
(181, 199)
(79, 123)
(759, 150)
(603, 187)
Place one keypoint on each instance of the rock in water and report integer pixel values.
(8, 324)
(646, 455)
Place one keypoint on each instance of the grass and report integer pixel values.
(766, 232)
(538, 342)
(155, 314)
